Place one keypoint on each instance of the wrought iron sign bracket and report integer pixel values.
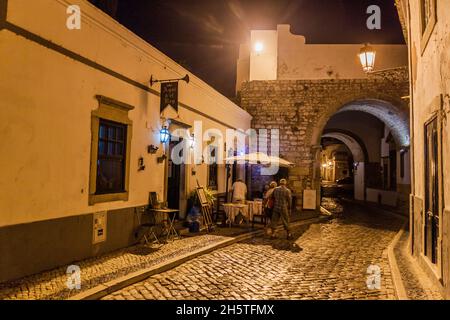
(153, 81)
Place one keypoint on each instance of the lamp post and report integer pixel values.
(367, 56)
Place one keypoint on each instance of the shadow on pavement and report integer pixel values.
(281, 242)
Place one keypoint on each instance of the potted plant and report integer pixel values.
(193, 199)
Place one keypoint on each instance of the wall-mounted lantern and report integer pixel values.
(164, 135)
(367, 58)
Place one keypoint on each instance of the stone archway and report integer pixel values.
(388, 109)
(300, 110)
(393, 114)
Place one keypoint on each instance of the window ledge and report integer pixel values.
(101, 198)
(114, 103)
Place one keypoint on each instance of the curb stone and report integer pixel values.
(400, 290)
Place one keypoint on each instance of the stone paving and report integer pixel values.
(417, 284)
(326, 261)
(51, 284)
(98, 270)
(333, 205)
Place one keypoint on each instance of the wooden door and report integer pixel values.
(432, 190)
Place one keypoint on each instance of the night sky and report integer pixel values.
(204, 35)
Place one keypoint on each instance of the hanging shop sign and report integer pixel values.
(169, 95)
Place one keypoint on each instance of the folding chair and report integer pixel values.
(150, 232)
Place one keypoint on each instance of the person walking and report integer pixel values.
(281, 209)
(268, 201)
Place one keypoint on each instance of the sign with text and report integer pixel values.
(309, 199)
(169, 95)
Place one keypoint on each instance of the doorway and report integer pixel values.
(432, 207)
(174, 183)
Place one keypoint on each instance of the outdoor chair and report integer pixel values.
(219, 211)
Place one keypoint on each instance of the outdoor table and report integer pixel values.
(233, 209)
(170, 228)
(255, 208)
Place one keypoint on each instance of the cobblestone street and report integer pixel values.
(326, 261)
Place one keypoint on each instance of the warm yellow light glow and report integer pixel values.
(367, 58)
(259, 47)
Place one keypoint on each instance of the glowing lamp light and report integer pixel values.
(367, 58)
(164, 135)
(192, 142)
(259, 47)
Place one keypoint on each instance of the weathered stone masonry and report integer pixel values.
(300, 109)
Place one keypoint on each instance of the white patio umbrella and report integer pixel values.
(260, 158)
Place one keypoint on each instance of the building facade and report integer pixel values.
(80, 134)
(426, 27)
(300, 89)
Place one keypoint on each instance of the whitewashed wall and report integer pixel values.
(47, 99)
(286, 56)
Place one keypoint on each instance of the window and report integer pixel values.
(402, 164)
(427, 20)
(212, 170)
(110, 151)
(111, 157)
(212, 174)
(427, 12)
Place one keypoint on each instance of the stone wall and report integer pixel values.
(300, 109)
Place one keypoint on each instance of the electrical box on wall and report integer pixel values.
(99, 224)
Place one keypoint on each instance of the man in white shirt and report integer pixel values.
(239, 191)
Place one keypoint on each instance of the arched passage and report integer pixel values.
(394, 116)
(301, 109)
(359, 158)
(391, 111)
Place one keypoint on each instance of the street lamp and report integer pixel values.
(259, 47)
(367, 57)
